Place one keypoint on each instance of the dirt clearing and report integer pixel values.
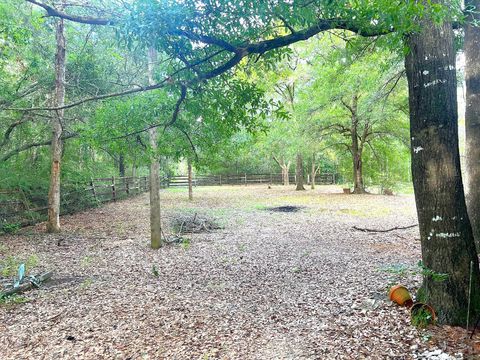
(264, 285)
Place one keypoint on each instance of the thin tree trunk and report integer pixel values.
(472, 115)
(53, 222)
(446, 235)
(286, 169)
(121, 165)
(155, 214)
(356, 148)
(299, 172)
(190, 189)
(134, 170)
(313, 173)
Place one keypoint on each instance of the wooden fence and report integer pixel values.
(244, 179)
(19, 207)
(115, 188)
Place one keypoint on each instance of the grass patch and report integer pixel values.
(86, 283)
(9, 265)
(175, 190)
(86, 261)
(13, 300)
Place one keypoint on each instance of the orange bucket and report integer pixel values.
(400, 295)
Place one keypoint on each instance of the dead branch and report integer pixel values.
(384, 230)
(27, 285)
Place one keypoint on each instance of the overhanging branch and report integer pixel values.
(239, 52)
(51, 11)
(183, 95)
(25, 147)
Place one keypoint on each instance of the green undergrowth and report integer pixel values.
(9, 265)
(13, 300)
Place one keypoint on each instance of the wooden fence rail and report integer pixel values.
(18, 207)
(243, 179)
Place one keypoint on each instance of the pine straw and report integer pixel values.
(268, 286)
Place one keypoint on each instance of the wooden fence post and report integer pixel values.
(114, 195)
(127, 187)
(92, 184)
(220, 180)
(245, 179)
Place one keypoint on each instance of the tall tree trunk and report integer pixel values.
(286, 173)
(356, 149)
(285, 170)
(313, 173)
(121, 165)
(53, 222)
(190, 188)
(358, 186)
(155, 214)
(299, 172)
(446, 235)
(472, 115)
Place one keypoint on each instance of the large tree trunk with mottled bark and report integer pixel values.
(53, 221)
(155, 214)
(445, 231)
(358, 186)
(357, 150)
(472, 115)
(299, 172)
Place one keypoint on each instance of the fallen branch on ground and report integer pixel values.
(385, 230)
(30, 283)
(197, 224)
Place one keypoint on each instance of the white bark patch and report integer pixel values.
(437, 218)
(447, 235)
(434, 82)
(417, 149)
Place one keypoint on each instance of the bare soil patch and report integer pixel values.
(286, 208)
(264, 286)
